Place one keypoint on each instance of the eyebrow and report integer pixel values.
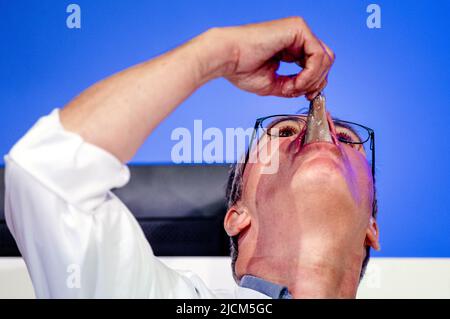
(286, 117)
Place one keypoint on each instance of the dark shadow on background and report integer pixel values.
(179, 207)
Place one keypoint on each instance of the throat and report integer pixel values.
(310, 276)
(324, 281)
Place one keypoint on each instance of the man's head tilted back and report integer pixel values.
(309, 225)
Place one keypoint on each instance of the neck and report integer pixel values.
(324, 281)
(310, 275)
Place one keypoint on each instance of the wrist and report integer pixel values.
(217, 56)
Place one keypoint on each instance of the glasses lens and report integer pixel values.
(290, 126)
(351, 133)
(284, 126)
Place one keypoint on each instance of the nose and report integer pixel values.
(318, 129)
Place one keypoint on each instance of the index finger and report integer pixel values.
(316, 57)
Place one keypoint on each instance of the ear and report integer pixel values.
(373, 235)
(235, 221)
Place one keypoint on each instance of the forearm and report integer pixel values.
(118, 113)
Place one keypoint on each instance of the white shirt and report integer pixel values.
(77, 238)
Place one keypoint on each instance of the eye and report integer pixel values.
(284, 129)
(346, 138)
(287, 131)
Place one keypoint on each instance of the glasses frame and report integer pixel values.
(371, 137)
(258, 124)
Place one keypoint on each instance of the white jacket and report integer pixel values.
(77, 238)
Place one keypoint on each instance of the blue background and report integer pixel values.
(394, 79)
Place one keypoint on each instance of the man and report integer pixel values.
(304, 230)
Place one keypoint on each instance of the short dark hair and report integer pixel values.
(234, 194)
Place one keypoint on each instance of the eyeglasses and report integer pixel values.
(293, 126)
(288, 126)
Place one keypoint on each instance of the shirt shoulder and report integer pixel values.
(75, 170)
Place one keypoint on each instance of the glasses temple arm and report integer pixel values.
(247, 155)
